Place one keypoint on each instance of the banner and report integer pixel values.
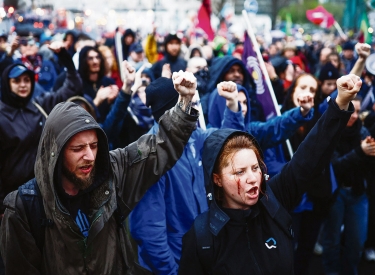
(204, 19)
(249, 58)
(320, 16)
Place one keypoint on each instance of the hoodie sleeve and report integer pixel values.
(312, 156)
(18, 248)
(278, 129)
(142, 163)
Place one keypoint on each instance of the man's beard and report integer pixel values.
(81, 184)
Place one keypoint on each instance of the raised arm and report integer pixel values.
(72, 85)
(363, 51)
(280, 128)
(143, 162)
(314, 153)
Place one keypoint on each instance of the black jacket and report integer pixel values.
(20, 130)
(251, 241)
(177, 64)
(353, 168)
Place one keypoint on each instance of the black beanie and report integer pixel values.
(170, 37)
(329, 72)
(161, 96)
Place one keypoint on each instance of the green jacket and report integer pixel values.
(124, 174)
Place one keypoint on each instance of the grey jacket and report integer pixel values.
(124, 174)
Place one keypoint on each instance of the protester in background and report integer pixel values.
(87, 192)
(111, 68)
(248, 215)
(323, 59)
(353, 162)
(100, 88)
(70, 39)
(127, 40)
(335, 60)
(23, 117)
(172, 45)
(348, 57)
(136, 56)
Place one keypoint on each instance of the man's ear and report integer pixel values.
(217, 180)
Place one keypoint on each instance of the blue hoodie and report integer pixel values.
(220, 66)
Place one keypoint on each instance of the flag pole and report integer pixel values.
(339, 30)
(118, 48)
(252, 37)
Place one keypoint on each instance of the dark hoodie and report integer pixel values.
(90, 88)
(220, 66)
(126, 48)
(252, 232)
(122, 178)
(21, 125)
(176, 62)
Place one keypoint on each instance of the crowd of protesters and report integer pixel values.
(70, 207)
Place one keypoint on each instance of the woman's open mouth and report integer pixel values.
(253, 193)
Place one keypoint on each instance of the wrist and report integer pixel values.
(342, 103)
(184, 102)
(232, 105)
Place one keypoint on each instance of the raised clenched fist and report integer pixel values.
(348, 86)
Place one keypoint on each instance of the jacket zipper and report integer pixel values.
(250, 250)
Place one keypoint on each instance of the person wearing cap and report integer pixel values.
(136, 56)
(87, 191)
(348, 56)
(172, 46)
(22, 119)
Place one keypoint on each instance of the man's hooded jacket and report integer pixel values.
(220, 66)
(21, 125)
(261, 236)
(122, 177)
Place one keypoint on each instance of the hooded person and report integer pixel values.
(179, 196)
(249, 215)
(172, 48)
(270, 133)
(127, 40)
(92, 72)
(82, 186)
(228, 68)
(22, 120)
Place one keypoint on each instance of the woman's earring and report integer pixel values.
(266, 176)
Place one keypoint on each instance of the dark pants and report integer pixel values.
(306, 226)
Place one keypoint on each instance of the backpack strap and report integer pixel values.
(204, 239)
(40, 108)
(34, 210)
(278, 212)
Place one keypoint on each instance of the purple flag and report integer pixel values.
(249, 58)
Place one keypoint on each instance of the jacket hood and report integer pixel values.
(192, 48)
(211, 151)
(221, 65)
(10, 98)
(217, 105)
(64, 121)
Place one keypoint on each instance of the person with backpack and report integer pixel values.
(247, 229)
(22, 118)
(70, 218)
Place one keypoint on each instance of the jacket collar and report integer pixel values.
(10, 112)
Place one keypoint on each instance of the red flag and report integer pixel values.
(204, 19)
(320, 16)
